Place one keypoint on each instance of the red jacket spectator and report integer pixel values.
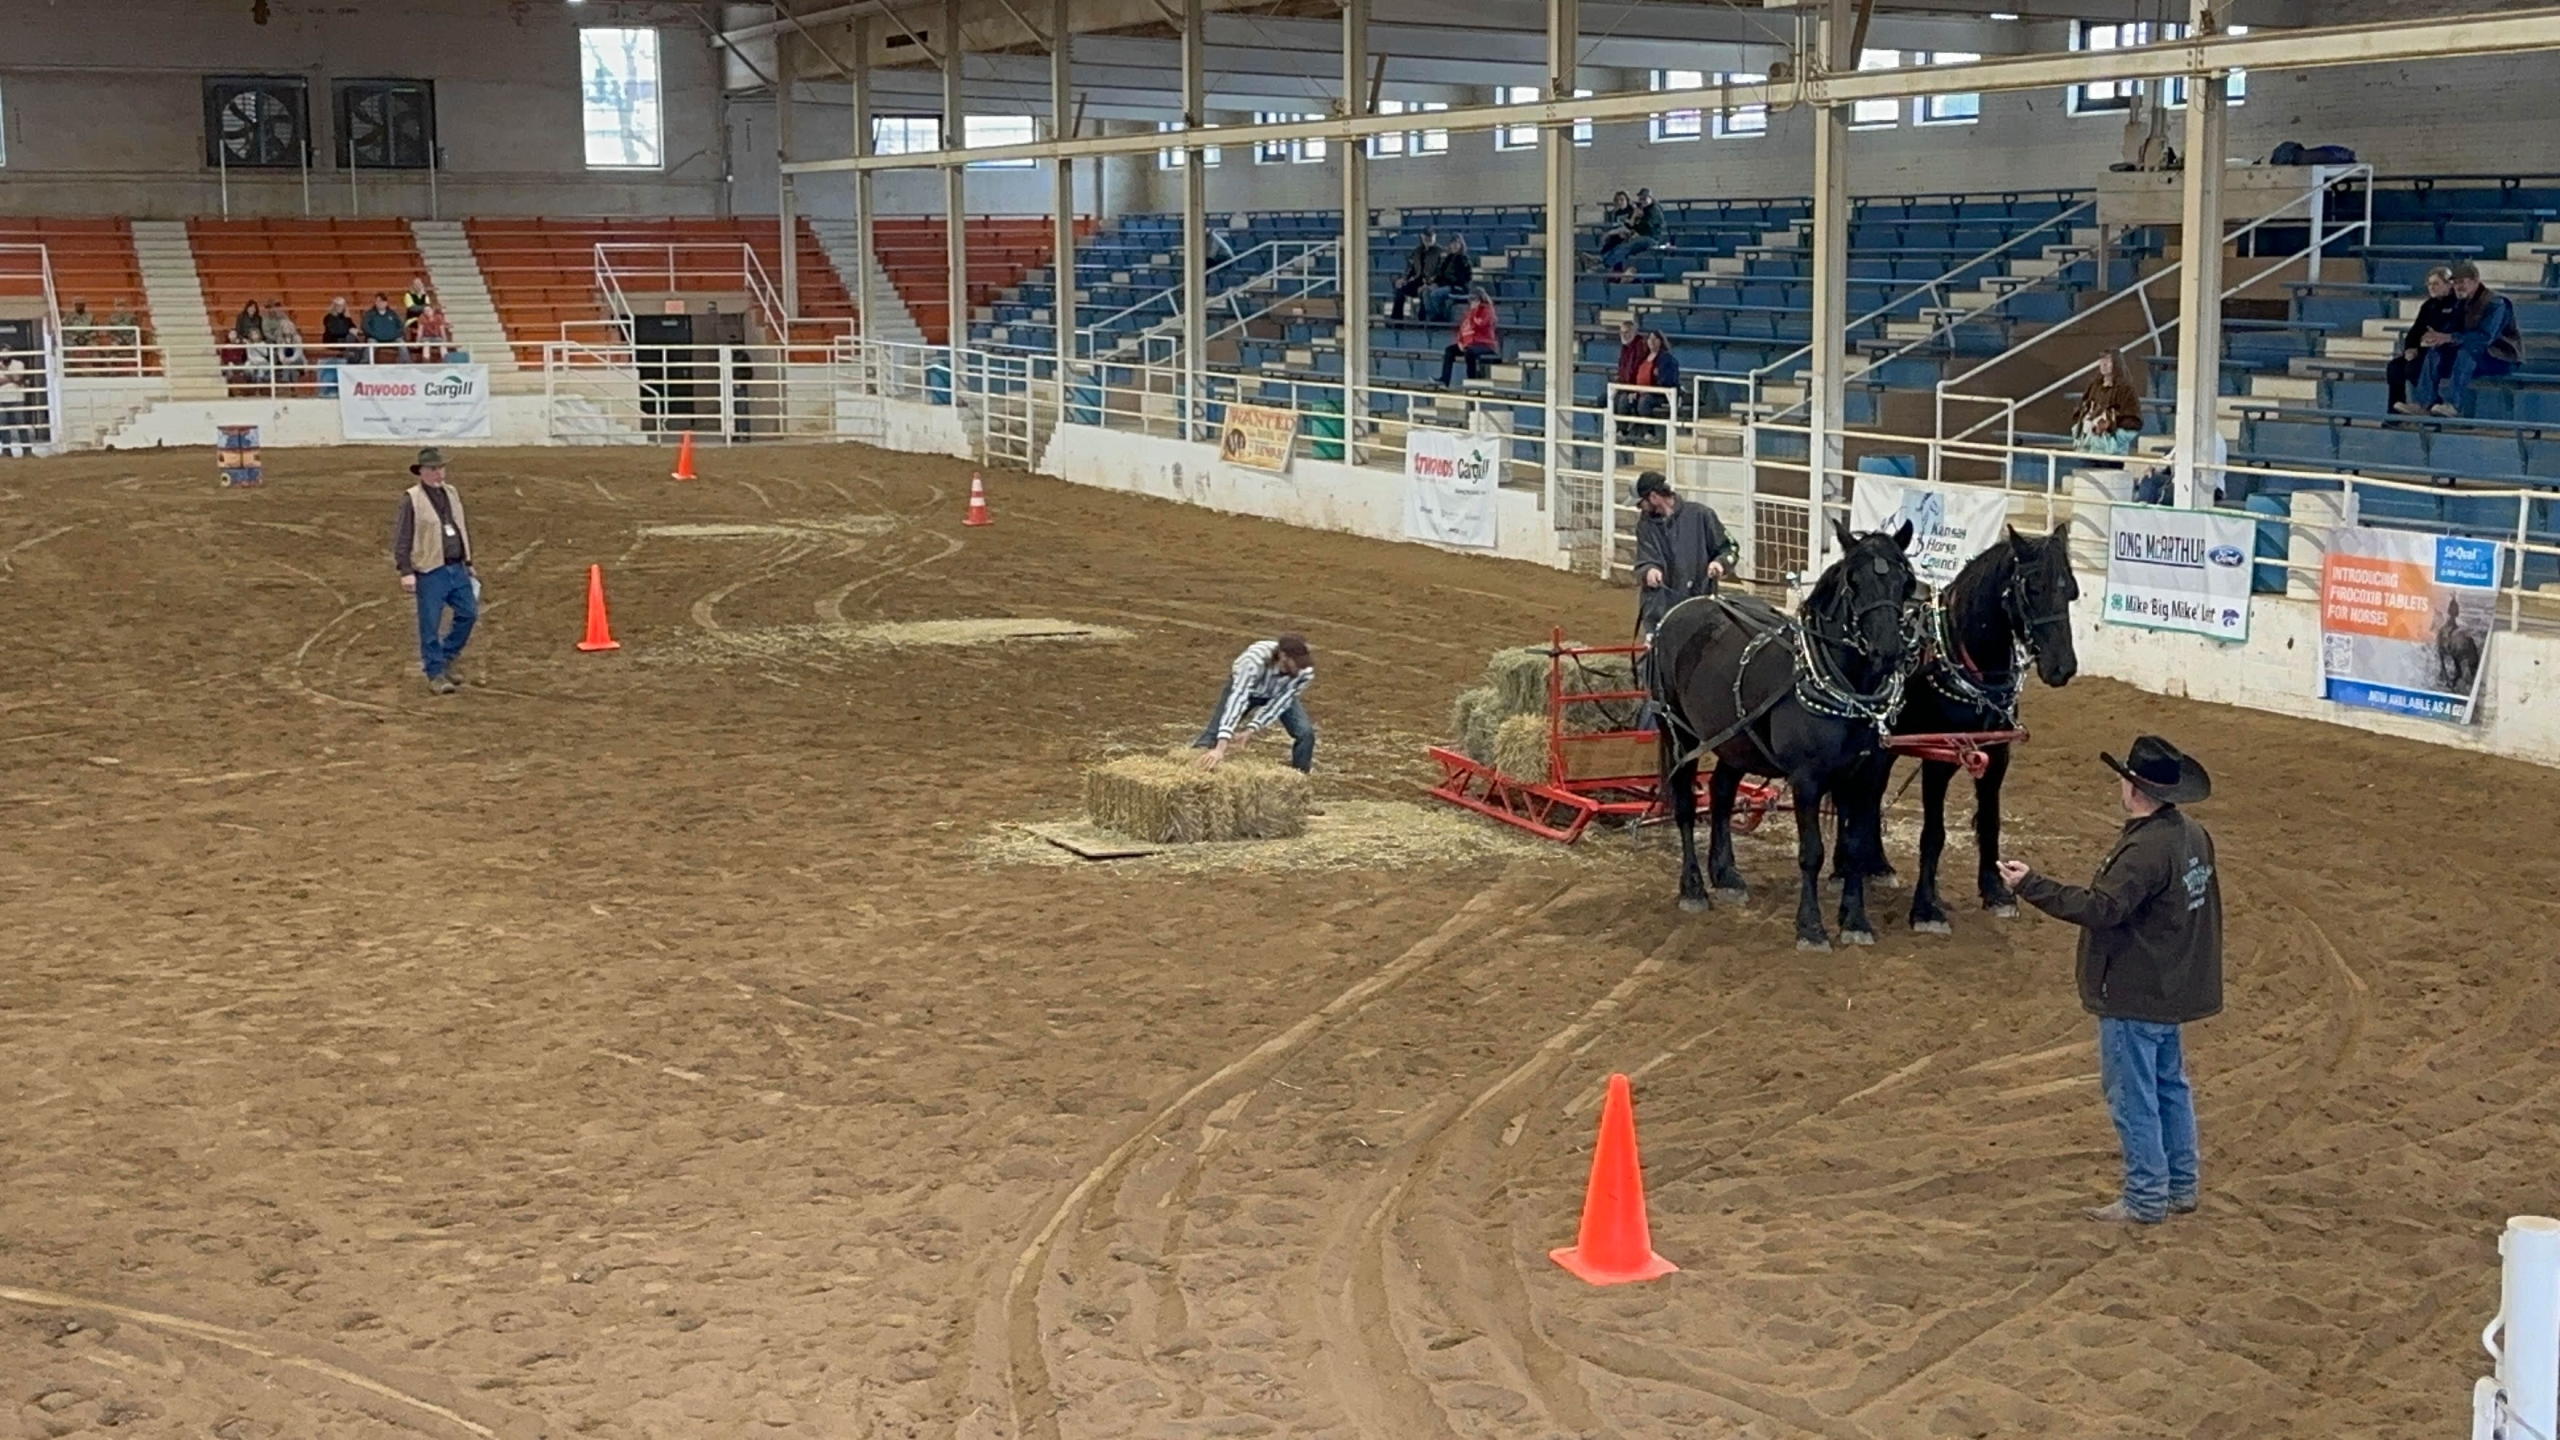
(1476, 327)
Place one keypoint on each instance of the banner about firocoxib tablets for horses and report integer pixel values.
(1950, 524)
(2405, 620)
(414, 402)
(1450, 477)
(2185, 570)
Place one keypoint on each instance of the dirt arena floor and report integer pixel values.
(681, 1043)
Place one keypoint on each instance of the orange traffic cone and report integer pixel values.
(684, 459)
(1616, 1245)
(978, 503)
(599, 630)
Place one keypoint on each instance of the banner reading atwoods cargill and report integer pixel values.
(2171, 569)
(1450, 477)
(414, 402)
(2405, 621)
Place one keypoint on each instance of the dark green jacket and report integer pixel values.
(2150, 923)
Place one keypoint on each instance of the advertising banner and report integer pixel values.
(1449, 481)
(2404, 621)
(2172, 569)
(414, 402)
(1258, 437)
(1950, 524)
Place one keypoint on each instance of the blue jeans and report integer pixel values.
(2446, 372)
(2144, 1068)
(1617, 256)
(446, 587)
(1302, 731)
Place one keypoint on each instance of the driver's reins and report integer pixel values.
(1820, 685)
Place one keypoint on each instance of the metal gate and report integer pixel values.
(1000, 386)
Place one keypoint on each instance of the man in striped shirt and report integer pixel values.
(1266, 686)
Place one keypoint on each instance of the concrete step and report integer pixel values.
(2532, 251)
(454, 271)
(2343, 347)
(2513, 272)
(174, 289)
(2283, 387)
(1909, 329)
(2384, 327)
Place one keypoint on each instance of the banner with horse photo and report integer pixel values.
(1950, 524)
(2405, 620)
(1258, 437)
(2184, 570)
(1450, 477)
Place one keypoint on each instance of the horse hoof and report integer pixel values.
(1857, 937)
(1735, 895)
(1933, 927)
(2005, 912)
(1818, 947)
(1886, 881)
(1694, 904)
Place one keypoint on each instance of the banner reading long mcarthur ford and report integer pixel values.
(1950, 524)
(1450, 477)
(414, 402)
(2404, 621)
(2170, 569)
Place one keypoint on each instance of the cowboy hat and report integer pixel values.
(430, 458)
(2162, 771)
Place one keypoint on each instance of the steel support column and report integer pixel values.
(1825, 377)
(1564, 45)
(860, 279)
(1195, 221)
(786, 196)
(955, 202)
(1354, 257)
(1062, 240)
(2200, 278)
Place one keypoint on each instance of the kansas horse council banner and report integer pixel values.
(1450, 477)
(2404, 621)
(2173, 569)
(414, 402)
(1950, 524)
(1258, 437)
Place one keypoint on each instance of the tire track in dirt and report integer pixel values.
(1021, 1359)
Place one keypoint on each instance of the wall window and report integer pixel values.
(385, 124)
(1945, 109)
(1525, 137)
(1174, 159)
(905, 134)
(1677, 124)
(1741, 119)
(1286, 152)
(1410, 142)
(618, 80)
(1877, 114)
(2102, 96)
(980, 131)
(258, 122)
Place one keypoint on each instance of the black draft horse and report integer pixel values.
(2011, 600)
(1807, 699)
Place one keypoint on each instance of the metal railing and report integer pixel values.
(2005, 409)
(1271, 260)
(620, 393)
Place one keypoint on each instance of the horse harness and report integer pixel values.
(1817, 686)
(1954, 674)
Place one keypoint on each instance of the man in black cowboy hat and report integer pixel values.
(431, 552)
(2150, 961)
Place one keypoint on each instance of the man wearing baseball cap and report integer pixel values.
(2150, 961)
(431, 551)
(1682, 550)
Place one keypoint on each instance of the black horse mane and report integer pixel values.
(1978, 620)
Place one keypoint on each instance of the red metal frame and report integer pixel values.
(1561, 809)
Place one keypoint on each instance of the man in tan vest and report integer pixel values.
(431, 549)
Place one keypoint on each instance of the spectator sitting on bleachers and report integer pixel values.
(1616, 222)
(1660, 369)
(2110, 413)
(233, 355)
(337, 328)
(252, 324)
(125, 329)
(435, 335)
(1421, 270)
(382, 327)
(2435, 317)
(1631, 347)
(79, 328)
(1457, 279)
(2483, 342)
(414, 303)
(1476, 342)
(1644, 232)
(285, 338)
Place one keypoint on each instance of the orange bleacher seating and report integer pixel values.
(1001, 250)
(92, 260)
(541, 270)
(306, 263)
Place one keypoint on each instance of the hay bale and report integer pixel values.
(1520, 749)
(1169, 799)
(1518, 678)
(1472, 721)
